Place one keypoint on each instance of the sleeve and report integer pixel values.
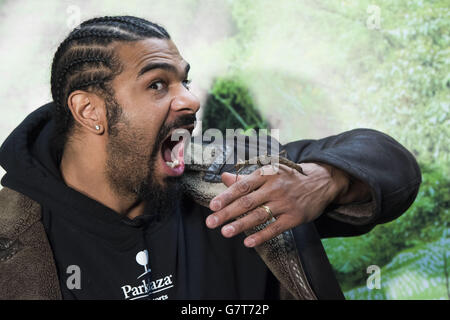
(369, 156)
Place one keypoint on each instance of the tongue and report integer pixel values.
(178, 152)
(167, 154)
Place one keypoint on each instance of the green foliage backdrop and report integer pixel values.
(324, 65)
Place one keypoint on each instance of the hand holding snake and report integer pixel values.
(289, 196)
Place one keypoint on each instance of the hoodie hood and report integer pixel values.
(29, 157)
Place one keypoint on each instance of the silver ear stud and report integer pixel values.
(97, 127)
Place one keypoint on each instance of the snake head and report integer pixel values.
(240, 155)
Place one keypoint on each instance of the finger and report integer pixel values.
(243, 185)
(239, 207)
(252, 219)
(228, 178)
(271, 231)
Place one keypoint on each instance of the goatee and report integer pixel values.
(131, 171)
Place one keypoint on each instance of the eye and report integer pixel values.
(186, 83)
(157, 85)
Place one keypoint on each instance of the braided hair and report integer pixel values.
(86, 60)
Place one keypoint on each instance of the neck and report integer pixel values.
(82, 168)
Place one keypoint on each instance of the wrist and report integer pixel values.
(347, 188)
(340, 183)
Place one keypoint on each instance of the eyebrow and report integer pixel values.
(161, 65)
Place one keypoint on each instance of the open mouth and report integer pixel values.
(172, 152)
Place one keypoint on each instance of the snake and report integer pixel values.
(201, 181)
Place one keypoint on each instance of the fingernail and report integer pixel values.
(212, 221)
(249, 242)
(215, 205)
(228, 230)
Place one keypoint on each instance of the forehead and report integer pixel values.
(134, 55)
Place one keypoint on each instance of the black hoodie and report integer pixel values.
(102, 255)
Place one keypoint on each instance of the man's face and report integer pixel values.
(154, 99)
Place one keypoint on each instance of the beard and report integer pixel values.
(131, 164)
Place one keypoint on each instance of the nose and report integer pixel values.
(185, 101)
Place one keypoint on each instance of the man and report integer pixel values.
(90, 209)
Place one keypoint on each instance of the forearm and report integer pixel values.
(383, 178)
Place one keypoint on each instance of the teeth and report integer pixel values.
(173, 164)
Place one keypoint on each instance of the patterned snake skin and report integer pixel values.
(202, 183)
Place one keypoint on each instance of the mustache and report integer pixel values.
(184, 120)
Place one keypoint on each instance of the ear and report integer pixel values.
(88, 110)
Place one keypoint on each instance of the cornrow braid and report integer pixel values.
(86, 60)
(74, 62)
(138, 23)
